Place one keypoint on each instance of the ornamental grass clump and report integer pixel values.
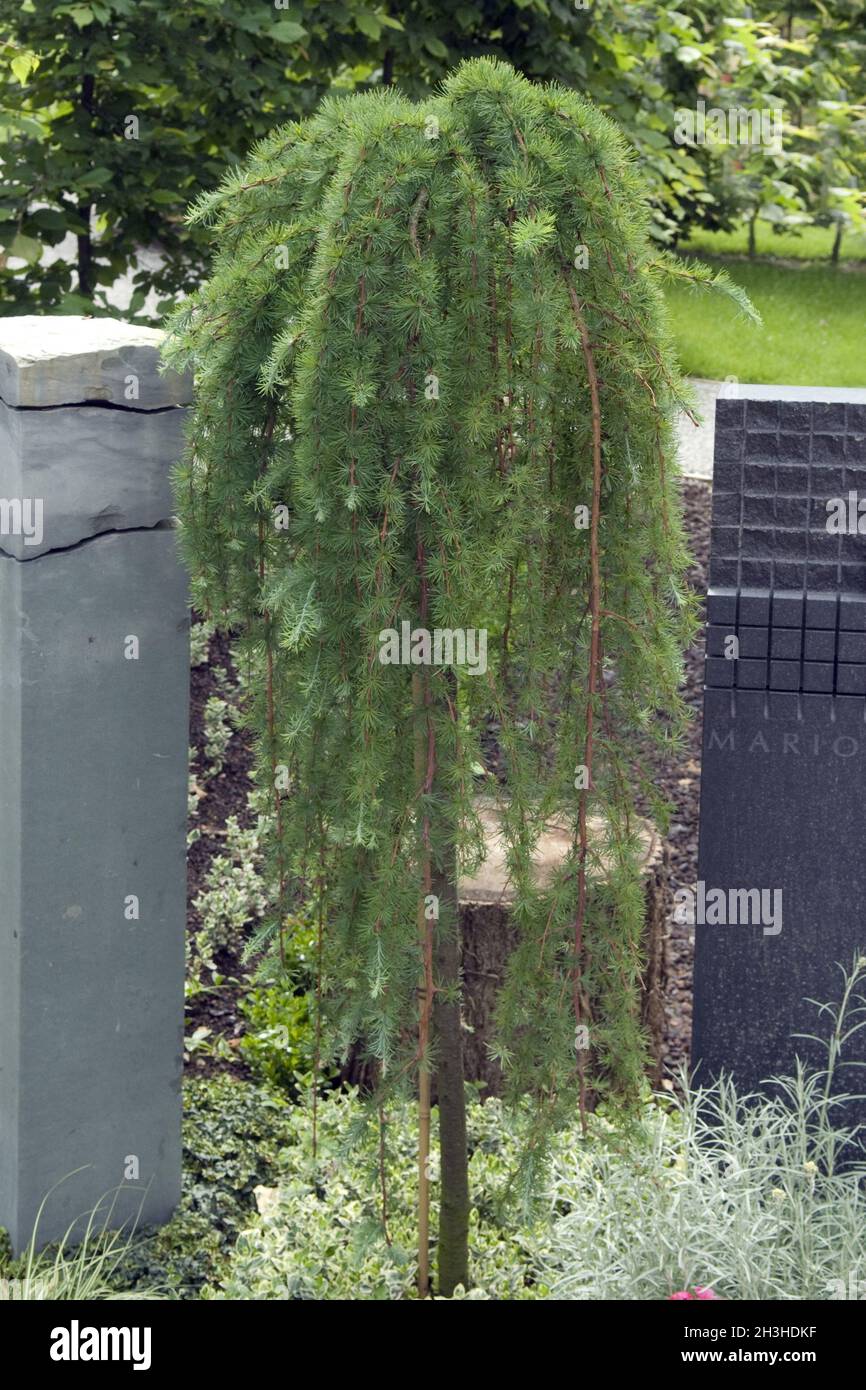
(431, 478)
(750, 1196)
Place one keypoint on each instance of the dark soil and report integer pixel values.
(225, 795)
(681, 782)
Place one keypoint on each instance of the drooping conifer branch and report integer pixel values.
(388, 291)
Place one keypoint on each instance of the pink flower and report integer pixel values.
(683, 1293)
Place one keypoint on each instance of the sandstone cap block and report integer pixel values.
(71, 359)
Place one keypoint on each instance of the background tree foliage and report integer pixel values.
(807, 63)
(206, 79)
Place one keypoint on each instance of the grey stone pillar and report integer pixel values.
(783, 833)
(93, 773)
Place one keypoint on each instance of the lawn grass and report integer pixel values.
(812, 333)
(808, 244)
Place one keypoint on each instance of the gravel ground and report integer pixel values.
(681, 782)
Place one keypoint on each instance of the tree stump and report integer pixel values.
(488, 938)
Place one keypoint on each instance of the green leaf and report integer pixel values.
(435, 46)
(23, 64)
(73, 303)
(50, 218)
(10, 120)
(287, 31)
(94, 178)
(82, 15)
(26, 248)
(369, 24)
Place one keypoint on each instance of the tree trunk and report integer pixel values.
(752, 243)
(85, 253)
(453, 1246)
(420, 704)
(84, 239)
(837, 243)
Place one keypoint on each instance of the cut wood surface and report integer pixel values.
(491, 885)
(489, 936)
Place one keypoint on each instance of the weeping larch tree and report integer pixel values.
(434, 405)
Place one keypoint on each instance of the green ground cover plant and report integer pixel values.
(754, 1197)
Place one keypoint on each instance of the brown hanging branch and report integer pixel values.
(282, 873)
(425, 771)
(594, 650)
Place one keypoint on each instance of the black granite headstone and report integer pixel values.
(781, 896)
